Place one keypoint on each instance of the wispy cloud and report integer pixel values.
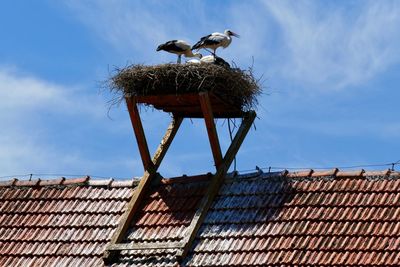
(337, 46)
(136, 28)
(318, 45)
(36, 116)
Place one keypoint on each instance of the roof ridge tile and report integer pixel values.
(100, 182)
(331, 172)
(355, 173)
(124, 183)
(27, 183)
(8, 182)
(49, 182)
(187, 179)
(377, 173)
(80, 180)
(300, 174)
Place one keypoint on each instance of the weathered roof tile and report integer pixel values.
(81, 180)
(105, 182)
(328, 217)
(52, 182)
(30, 183)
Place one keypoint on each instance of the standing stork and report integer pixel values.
(178, 47)
(215, 40)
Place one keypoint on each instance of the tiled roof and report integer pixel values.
(62, 222)
(297, 218)
(325, 218)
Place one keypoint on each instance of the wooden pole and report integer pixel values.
(215, 184)
(140, 190)
(210, 125)
(139, 133)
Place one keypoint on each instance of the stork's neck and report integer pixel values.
(227, 42)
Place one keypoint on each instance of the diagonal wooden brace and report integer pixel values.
(210, 125)
(139, 133)
(215, 184)
(149, 175)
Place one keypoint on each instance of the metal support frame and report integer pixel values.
(222, 165)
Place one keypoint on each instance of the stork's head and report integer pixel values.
(231, 33)
(160, 47)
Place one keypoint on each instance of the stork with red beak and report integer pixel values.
(215, 40)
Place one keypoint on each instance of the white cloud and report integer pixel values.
(336, 47)
(23, 93)
(32, 112)
(136, 28)
(316, 44)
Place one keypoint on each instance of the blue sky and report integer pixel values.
(330, 72)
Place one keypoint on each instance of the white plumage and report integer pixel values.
(178, 47)
(210, 59)
(215, 40)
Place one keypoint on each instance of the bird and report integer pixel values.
(178, 47)
(210, 59)
(215, 40)
(215, 60)
(194, 61)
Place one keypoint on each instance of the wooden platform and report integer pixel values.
(188, 105)
(201, 105)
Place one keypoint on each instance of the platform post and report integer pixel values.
(215, 184)
(210, 125)
(148, 177)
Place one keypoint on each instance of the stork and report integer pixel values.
(178, 47)
(215, 40)
(215, 60)
(210, 59)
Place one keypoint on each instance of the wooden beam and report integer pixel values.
(212, 132)
(139, 133)
(140, 190)
(166, 141)
(215, 184)
(142, 246)
(199, 115)
(187, 99)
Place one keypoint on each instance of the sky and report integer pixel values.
(329, 70)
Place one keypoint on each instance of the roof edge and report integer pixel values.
(112, 183)
(62, 181)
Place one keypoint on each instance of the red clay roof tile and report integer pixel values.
(325, 173)
(81, 180)
(300, 174)
(264, 219)
(34, 182)
(58, 181)
(95, 182)
(8, 182)
(124, 183)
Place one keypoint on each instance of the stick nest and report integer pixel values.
(237, 87)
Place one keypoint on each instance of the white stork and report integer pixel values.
(178, 47)
(210, 59)
(215, 40)
(215, 60)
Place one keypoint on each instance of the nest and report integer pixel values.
(233, 85)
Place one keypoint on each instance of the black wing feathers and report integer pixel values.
(170, 46)
(204, 40)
